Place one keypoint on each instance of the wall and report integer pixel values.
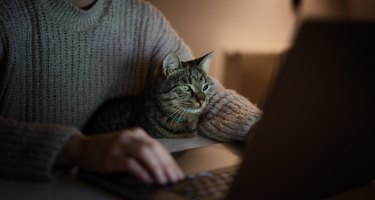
(247, 36)
(347, 9)
(226, 26)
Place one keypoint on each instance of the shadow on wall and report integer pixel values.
(249, 37)
(251, 74)
(230, 26)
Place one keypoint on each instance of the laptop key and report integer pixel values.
(205, 185)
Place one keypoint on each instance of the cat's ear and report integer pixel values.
(171, 63)
(206, 61)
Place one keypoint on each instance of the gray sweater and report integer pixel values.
(61, 63)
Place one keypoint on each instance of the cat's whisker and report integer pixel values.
(166, 107)
(182, 116)
(179, 116)
(173, 117)
(181, 113)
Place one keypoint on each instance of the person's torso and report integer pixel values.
(58, 72)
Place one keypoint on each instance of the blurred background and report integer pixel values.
(251, 37)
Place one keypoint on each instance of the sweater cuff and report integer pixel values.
(29, 150)
(228, 117)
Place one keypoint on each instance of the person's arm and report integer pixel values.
(228, 116)
(130, 150)
(2, 50)
(2, 58)
(29, 150)
(33, 151)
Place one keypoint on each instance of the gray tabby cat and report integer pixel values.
(170, 108)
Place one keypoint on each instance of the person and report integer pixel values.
(61, 59)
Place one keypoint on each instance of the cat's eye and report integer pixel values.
(205, 87)
(186, 87)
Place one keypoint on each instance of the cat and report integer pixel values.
(170, 108)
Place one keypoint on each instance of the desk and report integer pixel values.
(72, 188)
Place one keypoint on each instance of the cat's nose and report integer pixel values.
(201, 102)
(200, 99)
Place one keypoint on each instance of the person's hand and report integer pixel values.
(130, 150)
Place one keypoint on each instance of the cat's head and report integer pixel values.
(185, 87)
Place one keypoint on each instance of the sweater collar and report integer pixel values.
(73, 18)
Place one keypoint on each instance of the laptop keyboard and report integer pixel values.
(205, 185)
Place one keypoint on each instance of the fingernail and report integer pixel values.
(161, 180)
(182, 175)
(175, 177)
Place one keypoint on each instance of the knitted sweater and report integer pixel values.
(61, 63)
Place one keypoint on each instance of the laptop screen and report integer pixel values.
(316, 137)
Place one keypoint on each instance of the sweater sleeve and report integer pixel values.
(2, 56)
(2, 47)
(228, 116)
(29, 150)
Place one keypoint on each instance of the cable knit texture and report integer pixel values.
(62, 63)
(228, 116)
(25, 154)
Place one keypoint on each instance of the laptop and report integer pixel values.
(316, 138)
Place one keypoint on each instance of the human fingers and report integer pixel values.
(152, 155)
(144, 148)
(170, 166)
(145, 154)
(106, 153)
(172, 170)
(125, 163)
